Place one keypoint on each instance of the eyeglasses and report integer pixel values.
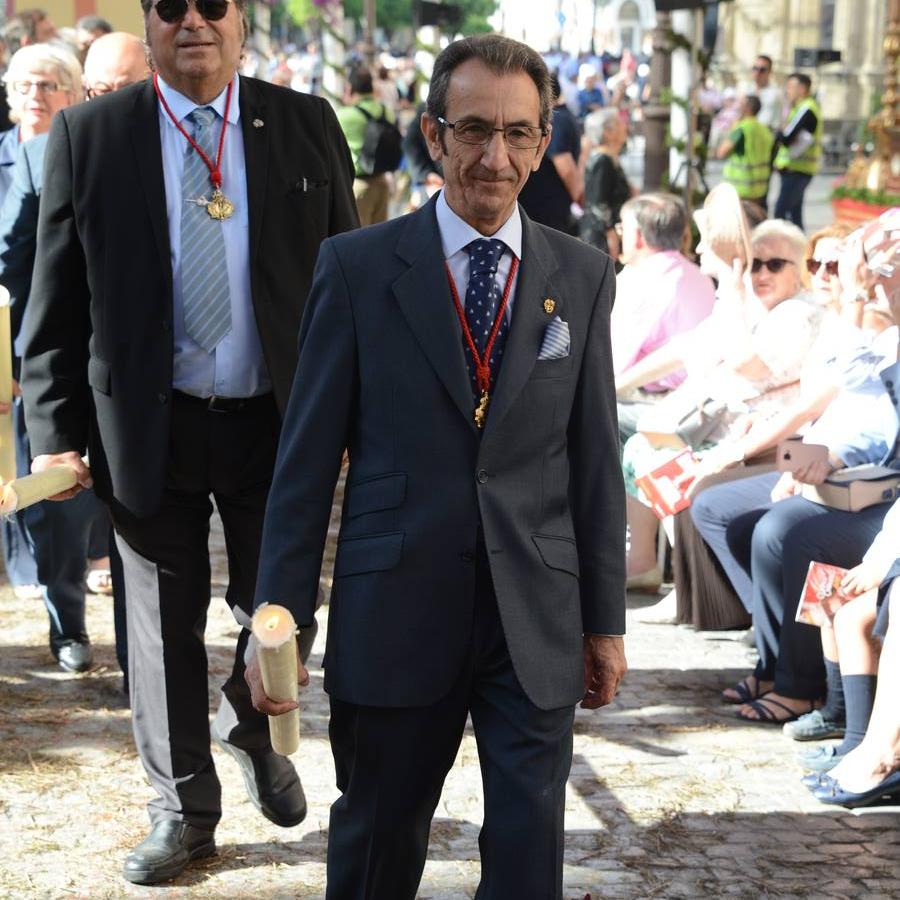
(517, 137)
(98, 89)
(175, 10)
(774, 265)
(759, 68)
(813, 266)
(42, 87)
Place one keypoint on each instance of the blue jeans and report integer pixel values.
(57, 534)
(789, 204)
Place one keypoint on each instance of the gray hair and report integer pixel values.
(501, 55)
(661, 218)
(597, 123)
(47, 57)
(785, 232)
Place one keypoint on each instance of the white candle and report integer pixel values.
(275, 631)
(7, 440)
(30, 489)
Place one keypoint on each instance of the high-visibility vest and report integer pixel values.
(749, 171)
(808, 161)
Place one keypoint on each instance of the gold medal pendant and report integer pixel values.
(219, 207)
(481, 410)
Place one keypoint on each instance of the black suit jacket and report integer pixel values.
(382, 373)
(98, 346)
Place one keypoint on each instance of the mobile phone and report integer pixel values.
(794, 454)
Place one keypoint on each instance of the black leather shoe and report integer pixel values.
(271, 781)
(164, 853)
(74, 656)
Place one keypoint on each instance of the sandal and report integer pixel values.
(768, 715)
(99, 581)
(744, 692)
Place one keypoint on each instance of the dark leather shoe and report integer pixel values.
(164, 853)
(271, 781)
(74, 656)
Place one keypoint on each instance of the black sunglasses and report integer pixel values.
(175, 10)
(813, 265)
(774, 265)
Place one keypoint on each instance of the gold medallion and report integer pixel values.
(481, 409)
(219, 207)
(549, 306)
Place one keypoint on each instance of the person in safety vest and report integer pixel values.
(800, 148)
(747, 152)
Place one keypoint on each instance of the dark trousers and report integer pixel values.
(789, 204)
(713, 509)
(782, 542)
(55, 535)
(391, 765)
(228, 456)
(103, 543)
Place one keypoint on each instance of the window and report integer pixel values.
(826, 27)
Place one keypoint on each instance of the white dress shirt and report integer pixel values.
(236, 367)
(457, 234)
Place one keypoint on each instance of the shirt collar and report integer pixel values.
(182, 106)
(457, 234)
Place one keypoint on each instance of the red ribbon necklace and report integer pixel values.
(219, 207)
(482, 363)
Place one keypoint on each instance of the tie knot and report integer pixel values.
(202, 117)
(484, 255)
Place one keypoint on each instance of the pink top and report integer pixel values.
(656, 298)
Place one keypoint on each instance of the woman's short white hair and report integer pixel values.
(785, 232)
(47, 58)
(597, 123)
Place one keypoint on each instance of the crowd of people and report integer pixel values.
(726, 349)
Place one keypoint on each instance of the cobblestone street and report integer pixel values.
(669, 795)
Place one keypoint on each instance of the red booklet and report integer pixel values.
(665, 496)
(822, 595)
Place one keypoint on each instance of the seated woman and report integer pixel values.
(746, 356)
(705, 596)
(773, 539)
(871, 770)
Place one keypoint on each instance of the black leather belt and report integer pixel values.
(222, 404)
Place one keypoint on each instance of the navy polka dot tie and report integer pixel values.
(483, 297)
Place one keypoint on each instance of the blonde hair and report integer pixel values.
(46, 58)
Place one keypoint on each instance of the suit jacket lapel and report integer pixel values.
(529, 320)
(148, 150)
(256, 154)
(424, 299)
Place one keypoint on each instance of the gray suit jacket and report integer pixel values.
(382, 373)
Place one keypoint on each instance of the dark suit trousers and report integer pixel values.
(782, 542)
(228, 456)
(391, 764)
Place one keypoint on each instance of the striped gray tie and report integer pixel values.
(204, 273)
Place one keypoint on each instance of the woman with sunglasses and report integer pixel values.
(706, 598)
(765, 534)
(745, 357)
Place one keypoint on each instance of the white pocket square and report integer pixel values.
(556, 343)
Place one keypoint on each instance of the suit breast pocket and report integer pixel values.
(372, 553)
(552, 368)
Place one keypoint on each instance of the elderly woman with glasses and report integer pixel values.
(41, 80)
(745, 358)
(46, 546)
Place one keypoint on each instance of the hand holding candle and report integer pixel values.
(274, 674)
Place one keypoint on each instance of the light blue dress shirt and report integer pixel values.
(457, 234)
(236, 367)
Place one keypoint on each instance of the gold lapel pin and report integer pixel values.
(549, 306)
(258, 123)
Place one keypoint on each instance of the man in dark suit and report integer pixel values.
(480, 566)
(161, 335)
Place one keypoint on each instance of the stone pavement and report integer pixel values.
(669, 795)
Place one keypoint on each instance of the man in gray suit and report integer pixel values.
(461, 355)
